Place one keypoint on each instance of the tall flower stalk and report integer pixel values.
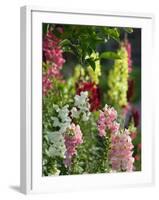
(53, 57)
(118, 80)
(118, 146)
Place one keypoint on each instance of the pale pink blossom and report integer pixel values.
(120, 154)
(107, 121)
(73, 138)
(53, 71)
(112, 113)
(115, 127)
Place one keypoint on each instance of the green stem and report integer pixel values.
(106, 153)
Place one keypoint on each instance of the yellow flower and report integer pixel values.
(118, 79)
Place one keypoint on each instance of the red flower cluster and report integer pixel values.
(136, 116)
(130, 92)
(93, 93)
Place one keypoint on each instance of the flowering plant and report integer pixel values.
(91, 118)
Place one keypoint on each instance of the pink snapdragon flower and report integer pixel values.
(120, 154)
(50, 40)
(54, 57)
(54, 72)
(115, 127)
(47, 85)
(107, 121)
(72, 140)
(52, 51)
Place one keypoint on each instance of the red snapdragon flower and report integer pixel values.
(130, 92)
(136, 116)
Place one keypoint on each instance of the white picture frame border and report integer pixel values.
(30, 179)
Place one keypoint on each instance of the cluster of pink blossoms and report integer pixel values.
(72, 139)
(107, 121)
(54, 58)
(120, 154)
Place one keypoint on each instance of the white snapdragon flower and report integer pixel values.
(75, 113)
(64, 127)
(63, 114)
(57, 147)
(63, 119)
(82, 106)
(81, 100)
(56, 122)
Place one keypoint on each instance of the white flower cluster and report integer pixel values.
(81, 107)
(63, 119)
(57, 147)
(63, 122)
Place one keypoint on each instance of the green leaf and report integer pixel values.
(68, 49)
(65, 42)
(91, 62)
(109, 55)
(45, 28)
(128, 30)
(112, 33)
